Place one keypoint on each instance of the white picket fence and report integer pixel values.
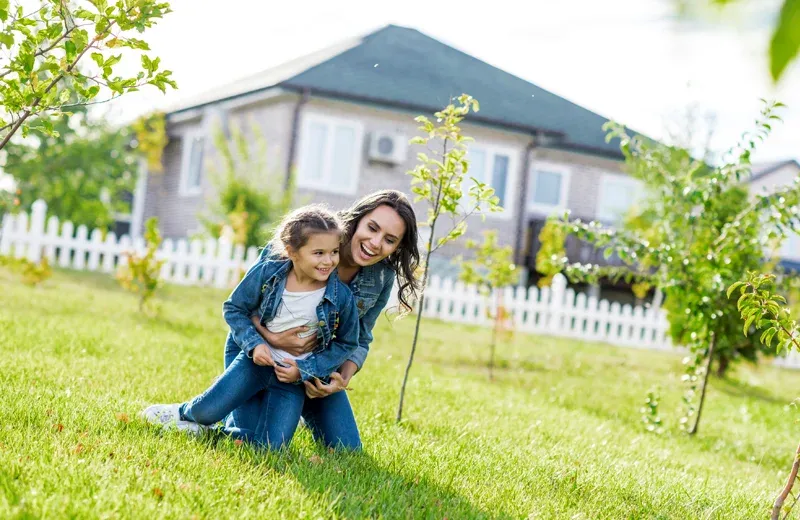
(197, 262)
(554, 311)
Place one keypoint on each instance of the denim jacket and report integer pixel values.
(260, 292)
(371, 287)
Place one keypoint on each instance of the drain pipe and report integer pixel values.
(290, 160)
(522, 206)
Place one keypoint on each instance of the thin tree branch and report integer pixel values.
(53, 83)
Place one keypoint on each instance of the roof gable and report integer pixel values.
(404, 68)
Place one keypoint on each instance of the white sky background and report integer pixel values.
(629, 60)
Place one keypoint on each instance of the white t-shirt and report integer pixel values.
(296, 309)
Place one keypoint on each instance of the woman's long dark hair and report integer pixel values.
(405, 260)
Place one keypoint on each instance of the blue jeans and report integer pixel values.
(279, 413)
(330, 419)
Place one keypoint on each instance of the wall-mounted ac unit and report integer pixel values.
(388, 147)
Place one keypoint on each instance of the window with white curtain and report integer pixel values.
(618, 193)
(329, 156)
(192, 158)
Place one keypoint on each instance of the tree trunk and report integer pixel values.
(722, 366)
(776, 508)
(705, 384)
(492, 348)
(416, 328)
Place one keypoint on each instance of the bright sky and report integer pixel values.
(629, 60)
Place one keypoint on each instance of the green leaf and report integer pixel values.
(785, 39)
(747, 324)
(98, 58)
(734, 287)
(71, 51)
(6, 39)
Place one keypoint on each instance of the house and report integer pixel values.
(768, 177)
(343, 117)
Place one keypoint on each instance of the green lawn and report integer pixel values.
(558, 435)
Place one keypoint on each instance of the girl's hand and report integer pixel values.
(288, 340)
(288, 374)
(318, 389)
(262, 356)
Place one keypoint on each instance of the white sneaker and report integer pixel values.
(168, 416)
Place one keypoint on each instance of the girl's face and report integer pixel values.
(318, 257)
(377, 236)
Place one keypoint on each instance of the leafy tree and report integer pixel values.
(491, 269)
(43, 48)
(437, 180)
(82, 169)
(245, 199)
(698, 232)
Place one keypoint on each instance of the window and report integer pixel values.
(330, 154)
(790, 248)
(493, 166)
(549, 184)
(618, 193)
(192, 164)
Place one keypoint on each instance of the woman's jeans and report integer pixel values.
(270, 413)
(280, 409)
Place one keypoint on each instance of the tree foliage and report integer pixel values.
(60, 54)
(491, 269)
(83, 169)
(249, 197)
(698, 231)
(141, 274)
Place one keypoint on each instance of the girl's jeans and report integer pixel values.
(330, 419)
(279, 415)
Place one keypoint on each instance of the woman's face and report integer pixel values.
(377, 236)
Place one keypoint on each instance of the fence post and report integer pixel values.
(5, 233)
(557, 292)
(36, 231)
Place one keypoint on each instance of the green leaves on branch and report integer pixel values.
(47, 70)
(492, 266)
(759, 305)
(141, 274)
(441, 173)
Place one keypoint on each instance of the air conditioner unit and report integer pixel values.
(388, 147)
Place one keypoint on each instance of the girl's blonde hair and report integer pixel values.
(296, 227)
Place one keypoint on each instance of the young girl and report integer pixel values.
(295, 285)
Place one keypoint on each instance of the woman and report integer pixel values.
(380, 245)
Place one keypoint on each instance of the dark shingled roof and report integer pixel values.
(416, 70)
(406, 69)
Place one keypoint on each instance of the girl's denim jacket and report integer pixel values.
(372, 288)
(260, 292)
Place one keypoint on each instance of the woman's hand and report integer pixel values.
(318, 389)
(288, 340)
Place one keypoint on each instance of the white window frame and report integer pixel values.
(790, 248)
(548, 209)
(491, 150)
(186, 157)
(325, 184)
(636, 188)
